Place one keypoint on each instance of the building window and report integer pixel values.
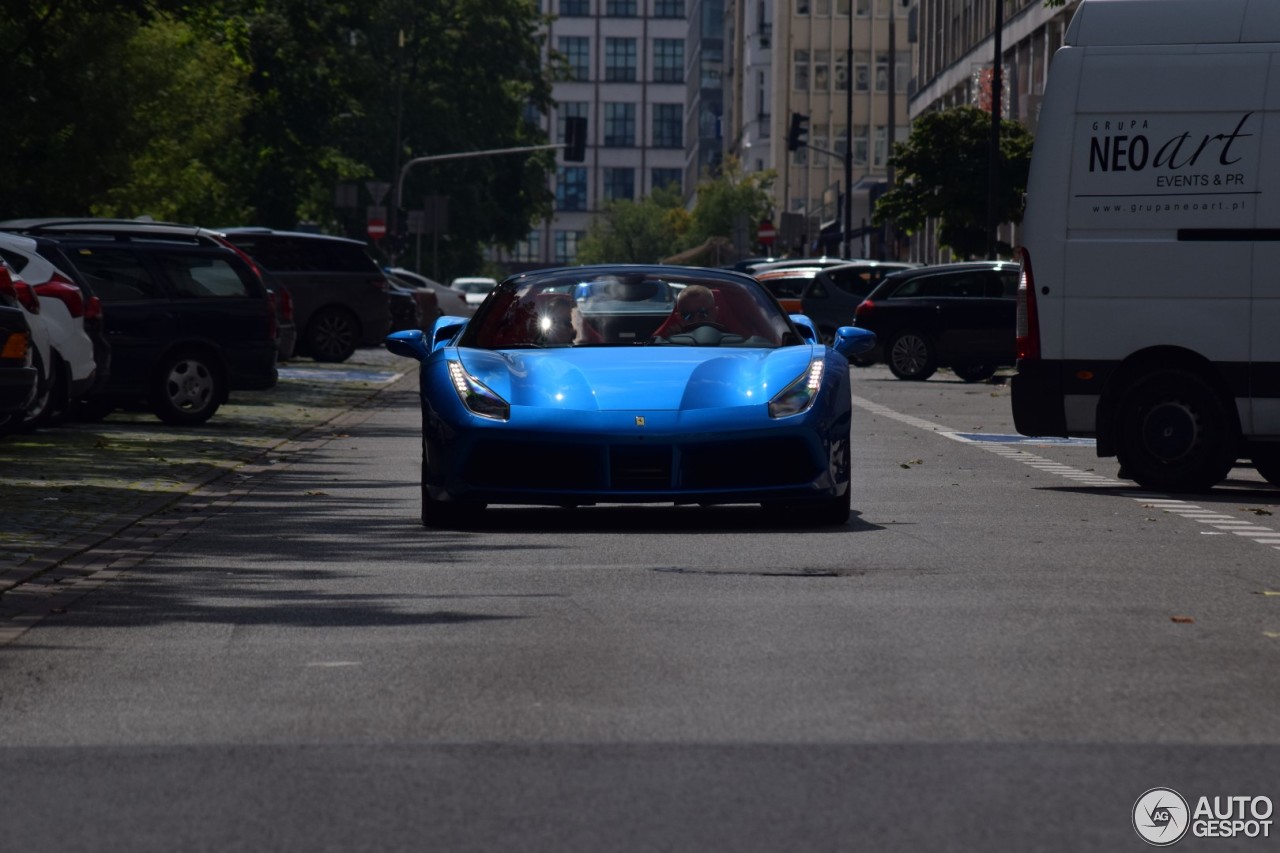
(663, 178)
(530, 248)
(619, 183)
(620, 60)
(802, 7)
(842, 71)
(571, 189)
(668, 124)
(668, 8)
(567, 246)
(577, 51)
(821, 68)
(620, 8)
(619, 125)
(577, 109)
(842, 140)
(881, 145)
(862, 8)
(861, 71)
(574, 9)
(860, 142)
(668, 60)
(800, 79)
(882, 72)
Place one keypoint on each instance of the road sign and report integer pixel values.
(377, 229)
(766, 233)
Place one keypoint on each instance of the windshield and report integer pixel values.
(629, 310)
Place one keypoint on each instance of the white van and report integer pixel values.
(1149, 308)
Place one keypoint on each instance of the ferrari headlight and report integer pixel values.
(476, 396)
(800, 394)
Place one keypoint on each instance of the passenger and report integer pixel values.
(556, 321)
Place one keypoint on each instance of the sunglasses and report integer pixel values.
(697, 313)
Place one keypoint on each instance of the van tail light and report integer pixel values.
(65, 291)
(1028, 330)
(864, 309)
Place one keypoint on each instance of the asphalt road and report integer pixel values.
(1002, 650)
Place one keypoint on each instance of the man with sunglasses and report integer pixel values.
(695, 306)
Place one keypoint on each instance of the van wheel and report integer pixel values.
(974, 372)
(331, 335)
(187, 390)
(1174, 433)
(1266, 461)
(911, 356)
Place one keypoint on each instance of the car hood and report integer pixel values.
(659, 378)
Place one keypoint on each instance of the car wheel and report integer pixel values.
(1266, 461)
(187, 390)
(331, 335)
(1174, 433)
(38, 412)
(911, 356)
(974, 372)
(443, 514)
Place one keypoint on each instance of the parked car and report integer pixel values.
(19, 378)
(960, 316)
(70, 317)
(43, 357)
(188, 323)
(36, 229)
(820, 262)
(786, 284)
(448, 301)
(474, 287)
(834, 293)
(722, 398)
(341, 297)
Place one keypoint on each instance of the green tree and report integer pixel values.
(726, 198)
(942, 174)
(637, 232)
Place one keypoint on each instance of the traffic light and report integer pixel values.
(575, 139)
(797, 138)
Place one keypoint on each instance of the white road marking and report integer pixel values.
(1223, 523)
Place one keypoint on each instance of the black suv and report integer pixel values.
(188, 323)
(341, 297)
(961, 316)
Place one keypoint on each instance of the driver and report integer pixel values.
(695, 306)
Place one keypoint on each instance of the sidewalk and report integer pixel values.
(65, 490)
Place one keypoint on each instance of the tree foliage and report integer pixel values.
(251, 111)
(637, 232)
(942, 172)
(726, 199)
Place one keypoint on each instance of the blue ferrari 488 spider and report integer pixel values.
(641, 384)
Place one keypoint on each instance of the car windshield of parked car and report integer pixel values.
(629, 310)
(474, 285)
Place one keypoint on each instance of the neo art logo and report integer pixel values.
(1161, 817)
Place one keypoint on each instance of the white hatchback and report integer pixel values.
(475, 288)
(69, 363)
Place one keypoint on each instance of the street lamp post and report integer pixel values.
(847, 242)
(993, 155)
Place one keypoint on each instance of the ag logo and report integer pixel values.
(1161, 816)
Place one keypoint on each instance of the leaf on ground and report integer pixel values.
(1256, 510)
(1183, 620)
(313, 493)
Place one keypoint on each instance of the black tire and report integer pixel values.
(974, 372)
(332, 334)
(38, 412)
(1174, 433)
(1266, 461)
(187, 389)
(443, 514)
(911, 356)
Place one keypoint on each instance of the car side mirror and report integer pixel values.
(806, 327)
(408, 343)
(850, 340)
(445, 330)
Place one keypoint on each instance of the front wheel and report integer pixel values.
(911, 356)
(1174, 433)
(974, 372)
(1266, 461)
(445, 514)
(187, 390)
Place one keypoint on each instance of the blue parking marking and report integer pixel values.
(339, 375)
(1034, 441)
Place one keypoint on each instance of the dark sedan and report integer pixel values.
(960, 316)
